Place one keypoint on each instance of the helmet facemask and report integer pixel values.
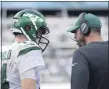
(41, 40)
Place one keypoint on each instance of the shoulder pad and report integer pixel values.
(26, 47)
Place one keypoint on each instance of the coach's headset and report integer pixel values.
(85, 27)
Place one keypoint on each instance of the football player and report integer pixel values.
(22, 61)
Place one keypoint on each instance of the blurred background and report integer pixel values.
(59, 16)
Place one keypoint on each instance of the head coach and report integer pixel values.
(90, 60)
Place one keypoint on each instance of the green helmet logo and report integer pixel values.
(32, 24)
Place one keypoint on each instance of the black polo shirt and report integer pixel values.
(90, 67)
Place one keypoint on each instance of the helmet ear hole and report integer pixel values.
(27, 27)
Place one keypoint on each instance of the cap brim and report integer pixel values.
(73, 29)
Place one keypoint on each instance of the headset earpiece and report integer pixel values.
(85, 26)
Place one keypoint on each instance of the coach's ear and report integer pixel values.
(28, 83)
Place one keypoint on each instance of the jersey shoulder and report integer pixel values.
(27, 46)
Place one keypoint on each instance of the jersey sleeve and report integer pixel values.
(29, 74)
(80, 71)
(29, 57)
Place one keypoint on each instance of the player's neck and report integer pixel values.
(20, 38)
(94, 39)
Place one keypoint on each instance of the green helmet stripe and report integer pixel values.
(34, 23)
(24, 51)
